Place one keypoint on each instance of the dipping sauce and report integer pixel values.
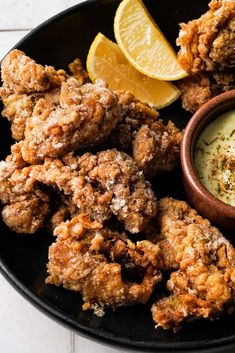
(215, 157)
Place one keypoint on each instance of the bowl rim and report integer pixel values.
(207, 110)
(204, 346)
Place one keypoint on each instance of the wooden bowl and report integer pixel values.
(199, 197)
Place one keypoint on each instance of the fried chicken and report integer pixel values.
(66, 114)
(85, 115)
(208, 42)
(154, 146)
(204, 282)
(26, 205)
(104, 266)
(134, 115)
(101, 185)
(18, 108)
(25, 82)
(108, 183)
(198, 89)
(21, 74)
(207, 54)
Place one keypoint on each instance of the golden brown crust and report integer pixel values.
(108, 183)
(94, 261)
(208, 42)
(84, 116)
(70, 114)
(156, 147)
(22, 74)
(134, 115)
(19, 108)
(207, 54)
(25, 82)
(205, 280)
(28, 215)
(26, 205)
(97, 193)
(198, 89)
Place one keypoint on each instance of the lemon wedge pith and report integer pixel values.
(143, 43)
(106, 61)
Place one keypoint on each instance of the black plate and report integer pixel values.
(23, 259)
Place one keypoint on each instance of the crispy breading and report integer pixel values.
(26, 205)
(134, 115)
(85, 115)
(21, 74)
(65, 211)
(108, 183)
(156, 147)
(75, 115)
(25, 82)
(208, 43)
(207, 54)
(198, 89)
(97, 196)
(205, 278)
(104, 266)
(18, 108)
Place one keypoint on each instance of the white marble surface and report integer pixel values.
(24, 329)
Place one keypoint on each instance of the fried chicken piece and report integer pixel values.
(21, 74)
(108, 183)
(134, 115)
(207, 53)
(27, 216)
(208, 42)
(26, 205)
(104, 266)
(18, 108)
(25, 82)
(132, 199)
(198, 89)
(204, 282)
(86, 115)
(156, 147)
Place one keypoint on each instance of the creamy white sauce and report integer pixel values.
(215, 157)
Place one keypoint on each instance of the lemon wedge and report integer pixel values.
(106, 61)
(143, 43)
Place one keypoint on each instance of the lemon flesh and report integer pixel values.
(143, 43)
(106, 61)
